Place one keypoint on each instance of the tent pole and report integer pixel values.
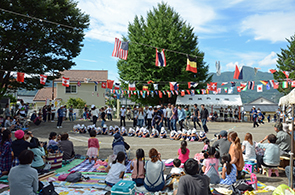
(292, 150)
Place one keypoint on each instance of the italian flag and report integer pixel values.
(285, 84)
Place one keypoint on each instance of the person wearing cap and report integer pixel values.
(20, 144)
(260, 117)
(204, 117)
(283, 138)
(222, 143)
(60, 115)
(149, 116)
(122, 116)
(254, 116)
(109, 111)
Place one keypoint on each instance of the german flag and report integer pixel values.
(264, 82)
(145, 88)
(191, 64)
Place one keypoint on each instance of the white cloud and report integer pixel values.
(110, 18)
(86, 60)
(273, 26)
(269, 60)
(231, 65)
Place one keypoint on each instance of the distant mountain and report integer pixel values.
(248, 75)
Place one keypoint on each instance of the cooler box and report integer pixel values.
(123, 187)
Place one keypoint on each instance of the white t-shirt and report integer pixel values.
(146, 131)
(168, 113)
(249, 150)
(95, 112)
(164, 112)
(140, 115)
(123, 112)
(22, 109)
(53, 109)
(176, 170)
(114, 173)
(150, 114)
(109, 110)
(164, 132)
(172, 133)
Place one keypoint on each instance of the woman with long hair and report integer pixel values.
(249, 147)
(183, 152)
(235, 152)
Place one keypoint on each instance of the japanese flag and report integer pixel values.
(43, 79)
(259, 88)
(65, 81)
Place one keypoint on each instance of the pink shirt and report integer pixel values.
(140, 173)
(183, 157)
(205, 147)
(93, 143)
(209, 161)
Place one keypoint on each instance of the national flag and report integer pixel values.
(176, 92)
(43, 79)
(160, 94)
(117, 86)
(293, 84)
(145, 88)
(230, 90)
(256, 70)
(238, 72)
(182, 93)
(172, 92)
(160, 58)
(225, 89)
(120, 49)
(155, 86)
(233, 84)
(218, 68)
(131, 86)
(191, 64)
(208, 86)
(169, 94)
(251, 85)
(243, 84)
(148, 93)
(150, 81)
(192, 92)
(219, 90)
(224, 83)
(259, 88)
(286, 73)
(276, 85)
(110, 84)
(239, 88)
(173, 86)
(285, 84)
(267, 86)
(164, 92)
(86, 80)
(198, 91)
(203, 91)
(79, 84)
(95, 82)
(213, 86)
(207, 91)
(192, 84)
(65, 81)
(103, 85)
(272, 71)
(245, 88)
(188, 92)
(20, 77)
(264, 82)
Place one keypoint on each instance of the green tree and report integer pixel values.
(35, 46)
(286, 62)
(76, 103)
(162, 28)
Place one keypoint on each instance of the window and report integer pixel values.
(95, 87)
(71, 89)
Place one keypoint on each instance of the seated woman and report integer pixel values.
(27, 181)
(271, 154)
(67, 147)
(154, 179)
(38, 150)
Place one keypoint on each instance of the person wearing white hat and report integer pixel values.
(140, 134)
(173, 134)
(195, 136)
(188, 135)
(131, 132)
(155, 133)
(98, 131)
(163, 133)
(145, 133)
(104, 130)
(184, 134)
(178, 135)
(122, 116)
(202, 136)
(123, 131)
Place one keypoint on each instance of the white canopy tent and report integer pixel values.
(286, 100)
(210, 100)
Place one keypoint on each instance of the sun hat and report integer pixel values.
(19, 134)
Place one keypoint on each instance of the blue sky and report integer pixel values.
(243, 32)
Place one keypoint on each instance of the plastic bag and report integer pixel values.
(283, 190)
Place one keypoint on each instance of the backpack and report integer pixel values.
(243, 186)
(213, 174)
(74, 177)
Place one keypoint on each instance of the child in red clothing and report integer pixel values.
(93, 147)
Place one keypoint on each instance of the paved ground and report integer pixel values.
(166, 147)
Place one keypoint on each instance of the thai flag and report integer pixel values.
(251, 85)
(174, 86)
(160, 58)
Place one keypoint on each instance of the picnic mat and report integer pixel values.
(85, 167)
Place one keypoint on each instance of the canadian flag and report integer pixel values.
(43, 79)
(293, 84)
(65, 81)
(103, 85)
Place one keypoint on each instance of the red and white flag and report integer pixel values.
(239, 88)
(103, 85)
(131, 86)
(259, 88)
(224, 83)
(65, 81)
(286, 73)
(117, 85)
(212, 86)
(276, 85)
(272, 71)
(293, 84)
(43, 79)
(20, 77)
(120, 49)
(110, 84)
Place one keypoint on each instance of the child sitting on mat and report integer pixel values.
(93, 147)
(138, 168)
(116, 170)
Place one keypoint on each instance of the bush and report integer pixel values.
(77, 103)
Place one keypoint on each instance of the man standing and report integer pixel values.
(71, 112)
(109, 113)
(135, 113)
(85, 114)
(174, 117)
(53, 111)
(196, 116)
(255, 117)
(204, 117)
(181, 116)
(60, 116)
(168, 115)
(164, 115)
(188, 117)
(161, 115)
(122, 115)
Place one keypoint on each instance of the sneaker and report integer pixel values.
(60, 126)
(57, 127)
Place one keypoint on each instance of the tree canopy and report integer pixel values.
(34, 46)
(162, 28)
(286, 62)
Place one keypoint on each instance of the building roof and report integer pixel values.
(44, 93)
(260, 98)
(80, 75)
(210, 100)
(263, 107)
